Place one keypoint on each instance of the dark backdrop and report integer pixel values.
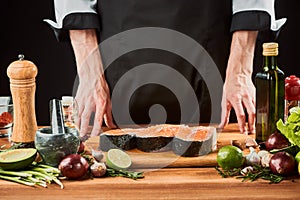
(22, 31)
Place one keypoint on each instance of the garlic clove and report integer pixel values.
(252, 158)
(246, 170)
(261, 153)
(265, 160)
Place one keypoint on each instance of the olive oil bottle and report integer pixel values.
(269, 93)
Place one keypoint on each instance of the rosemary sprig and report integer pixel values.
(124, 173)
(229, 173)
(257, 172)
(263, 173)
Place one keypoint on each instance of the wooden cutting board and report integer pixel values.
(169, 159)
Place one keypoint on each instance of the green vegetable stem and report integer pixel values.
(36, 174)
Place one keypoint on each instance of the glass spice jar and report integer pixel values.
(292, 94)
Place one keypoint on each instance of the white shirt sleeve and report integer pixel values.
(259, 5)
(66, 7)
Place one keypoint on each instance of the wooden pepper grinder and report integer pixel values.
(22, 75)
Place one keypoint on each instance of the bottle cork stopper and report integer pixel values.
(22, 75)
(67, 100)
(270, 49)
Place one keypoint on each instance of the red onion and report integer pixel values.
(282, 163)
(73, 166)
(276, 141)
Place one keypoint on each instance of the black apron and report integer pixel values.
(165, 96)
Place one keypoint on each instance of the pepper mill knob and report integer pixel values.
(21, 57)
(22, 75)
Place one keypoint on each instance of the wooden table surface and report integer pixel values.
(167, 183)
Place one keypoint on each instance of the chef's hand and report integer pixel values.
(93, 93)
(238, 89)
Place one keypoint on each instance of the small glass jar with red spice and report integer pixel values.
(6, 116)
(292, 94)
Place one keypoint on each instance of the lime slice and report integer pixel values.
(118, 159)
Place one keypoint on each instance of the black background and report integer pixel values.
(23, 31)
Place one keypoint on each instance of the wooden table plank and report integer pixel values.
(167, 183)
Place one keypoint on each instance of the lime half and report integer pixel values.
(118, 159)
(17, 158)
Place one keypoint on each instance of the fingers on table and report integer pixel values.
(108, 119)
(85, 120)
(98, 120)
(249, 104)
(226, 107)
(240, 114)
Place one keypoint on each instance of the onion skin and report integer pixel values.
(276, 141)
(282, 163)
(73, 166)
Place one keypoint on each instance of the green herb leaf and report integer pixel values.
(291, 129)
(295, 109)
(263, 173)
(124, 173)
(228, 173)
(257, 173)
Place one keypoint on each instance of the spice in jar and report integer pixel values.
(292, 94)
(5, 119)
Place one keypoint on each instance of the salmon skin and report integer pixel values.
(195, 141)
(156, 138)
(117, 139)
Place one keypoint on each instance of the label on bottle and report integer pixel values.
(262, 125)
(269, 103)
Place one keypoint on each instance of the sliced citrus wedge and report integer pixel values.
(118, 159)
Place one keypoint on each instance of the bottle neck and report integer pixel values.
(270, 62)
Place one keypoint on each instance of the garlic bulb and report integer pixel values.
(252, 158)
